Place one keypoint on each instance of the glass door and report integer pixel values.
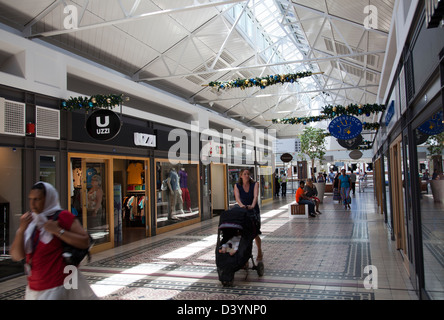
(397, 188)
(91, 196)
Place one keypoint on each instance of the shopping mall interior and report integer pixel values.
(144, 115)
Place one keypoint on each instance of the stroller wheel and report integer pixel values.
(260, 269)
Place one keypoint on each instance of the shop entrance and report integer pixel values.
(109, 197)
(219, 201)
(399, 212)
(131, 205)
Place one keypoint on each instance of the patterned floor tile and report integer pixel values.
(305, 259)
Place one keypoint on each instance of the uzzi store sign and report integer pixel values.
(103, 125)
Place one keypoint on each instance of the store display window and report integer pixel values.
(266, 183)
(177, 193)
(90, 196)
(430, 151)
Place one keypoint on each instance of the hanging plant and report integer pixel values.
(94, 102)
(261, 82)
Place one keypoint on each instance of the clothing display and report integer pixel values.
(186, 199)
(133, 210)
(135, 171)
(174, 180)
(183, 176)
(77, 177)
(176, 201)
(90, 172)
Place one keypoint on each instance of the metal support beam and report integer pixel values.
(133, 18)
(288, 94)
(314, 60)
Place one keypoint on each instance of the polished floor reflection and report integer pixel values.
(305, 259)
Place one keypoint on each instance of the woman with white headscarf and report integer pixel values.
(39, 241)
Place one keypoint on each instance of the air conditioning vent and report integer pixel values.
(12, 117)
(194, 79)
(342, 49)
(47, 123)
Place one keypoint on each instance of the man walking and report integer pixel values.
(353, 181)
(284, 184)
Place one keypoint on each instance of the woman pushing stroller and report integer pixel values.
(246, 192)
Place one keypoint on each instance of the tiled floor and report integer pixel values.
(309, 258)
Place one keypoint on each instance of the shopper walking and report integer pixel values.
(277, 184)
(284, 184)
(331, 176)
(344, 189)
(39, 241)
(352, 181)
(336, 191)
(246, 192)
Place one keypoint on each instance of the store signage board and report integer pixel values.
(286, 157)
(345, 127)
(356, 155)
(145, 140)
(103, 125)
(434, 125)
(351, 143)
(390, 113)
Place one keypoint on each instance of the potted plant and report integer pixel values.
(313, 145)
(435, 149)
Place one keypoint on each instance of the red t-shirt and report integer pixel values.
(47, 262)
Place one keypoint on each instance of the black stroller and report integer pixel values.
(237, 230)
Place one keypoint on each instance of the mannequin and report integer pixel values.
(183, 175)
(175, 194)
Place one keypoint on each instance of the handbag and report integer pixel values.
(72, 255)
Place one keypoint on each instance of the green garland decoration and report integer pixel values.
(353, 110)
(94, 102)
(329, 112)
(261, 82)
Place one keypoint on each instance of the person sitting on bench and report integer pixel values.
(301, 198)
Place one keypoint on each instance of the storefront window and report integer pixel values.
(177, 193)
(48, 169)
(387, 190)
(266, 183)
(233, 178)
(89, 197)
(10, 197)
(430, 150)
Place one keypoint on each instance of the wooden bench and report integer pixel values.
(328, 188)
(296, 210)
